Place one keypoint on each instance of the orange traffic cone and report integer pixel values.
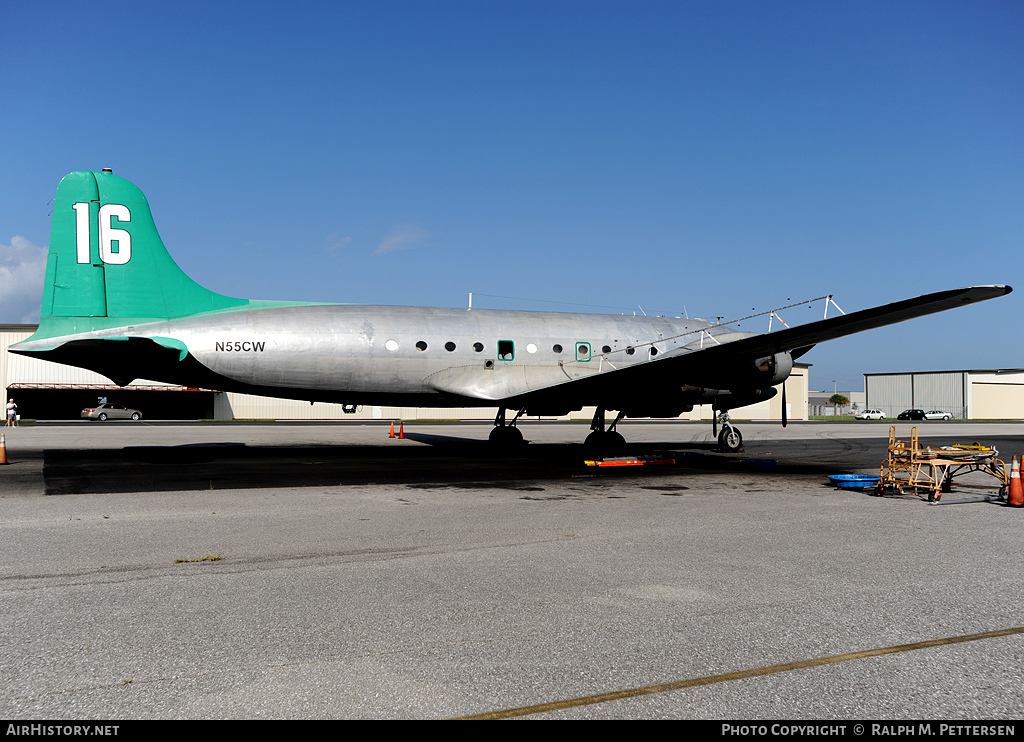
(3, 449)
(1016, 490)
(392, 430)
(401, 430)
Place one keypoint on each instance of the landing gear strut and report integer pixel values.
(506, 435)
(729, 439)
(605, 440)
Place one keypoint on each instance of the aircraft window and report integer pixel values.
(391, 345)
(583, 352)
(630, 350)
(506, 350)
(605, 349)
(531, 348)
(654, 351)
(478, 347)
(420, 345)
(556, 348)
(449, 346)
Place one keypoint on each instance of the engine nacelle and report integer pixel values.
(773, 370)
(755, 383)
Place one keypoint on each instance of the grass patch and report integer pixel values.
(207, 558)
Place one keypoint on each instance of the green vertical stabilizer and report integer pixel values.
(107, 259)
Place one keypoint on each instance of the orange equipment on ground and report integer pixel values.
(931, 470)
(1016, 490)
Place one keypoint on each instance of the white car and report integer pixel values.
(870, 415)
(937, 415)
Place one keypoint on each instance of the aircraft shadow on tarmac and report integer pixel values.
(446, 459)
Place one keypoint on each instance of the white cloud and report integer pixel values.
(22, 268)
(400, 238)
(336, 243)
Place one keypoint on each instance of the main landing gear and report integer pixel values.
(605, 440)
(506, 435)
(729, 439)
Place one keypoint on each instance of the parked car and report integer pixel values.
(870, 415)
(111, 411)
(937, 415)
(911, 415)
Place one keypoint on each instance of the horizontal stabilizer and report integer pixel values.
(120, 359)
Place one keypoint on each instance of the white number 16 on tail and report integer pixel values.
(109, 234)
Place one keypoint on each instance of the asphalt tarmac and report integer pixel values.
(163, 570)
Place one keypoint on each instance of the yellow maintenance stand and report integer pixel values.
(909, 468)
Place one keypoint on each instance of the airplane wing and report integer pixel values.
(850, 324)
(717, 366)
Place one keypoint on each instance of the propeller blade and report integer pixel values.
(785, 417)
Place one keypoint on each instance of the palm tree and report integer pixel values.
(838, 399)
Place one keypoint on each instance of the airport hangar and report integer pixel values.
(51, 391)
(978, 394)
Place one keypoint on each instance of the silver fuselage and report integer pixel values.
(426, 355)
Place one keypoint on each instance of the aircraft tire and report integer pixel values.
(605, 443)
(730, 440)
(614, 442)
(506, 436)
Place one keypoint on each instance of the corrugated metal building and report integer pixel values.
(45, 390)
(995, 394)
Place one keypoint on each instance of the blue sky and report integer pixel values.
(716, 157)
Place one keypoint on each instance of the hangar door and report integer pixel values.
(893, 393)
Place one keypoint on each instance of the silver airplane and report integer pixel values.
(115, 302)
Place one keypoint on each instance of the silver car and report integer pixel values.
(110, 411)
(937, 415)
